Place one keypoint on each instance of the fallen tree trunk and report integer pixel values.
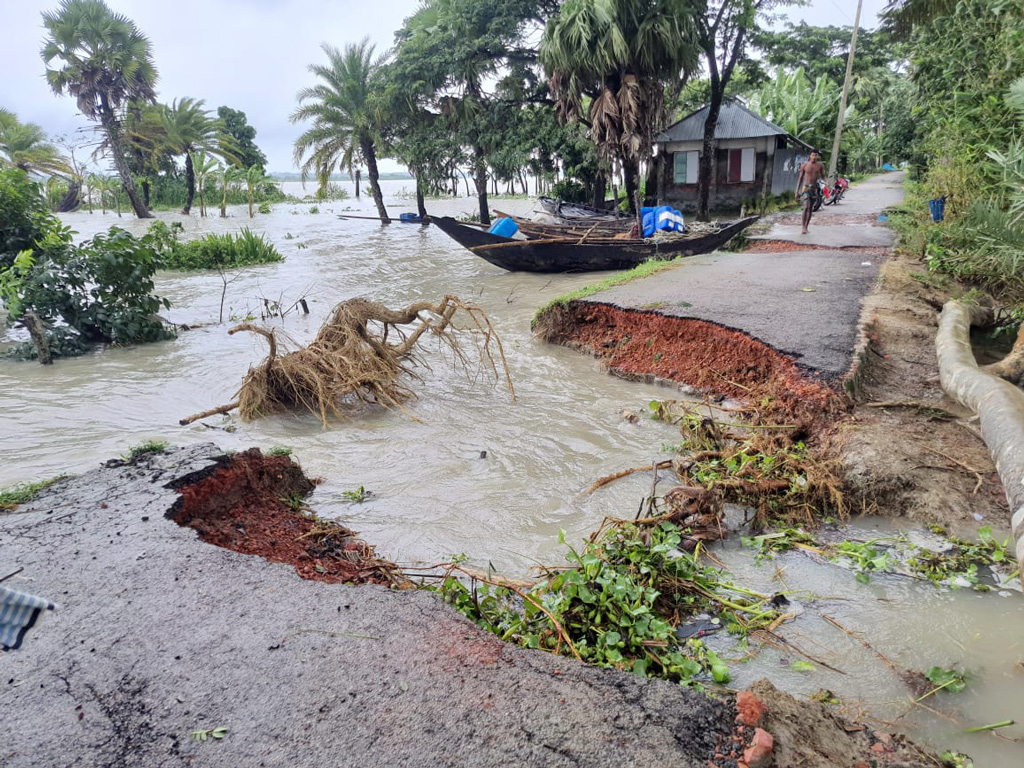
(998, 403)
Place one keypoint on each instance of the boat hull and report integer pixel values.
(566, 255)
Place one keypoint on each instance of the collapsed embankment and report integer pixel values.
(701, 356)
(157, 635)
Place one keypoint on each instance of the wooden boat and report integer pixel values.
(566, 210)
(569, 253)
(570, 227)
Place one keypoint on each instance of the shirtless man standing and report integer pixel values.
(807, 185)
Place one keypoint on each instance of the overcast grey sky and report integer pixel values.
(250, 55)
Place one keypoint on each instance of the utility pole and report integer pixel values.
(846, 90)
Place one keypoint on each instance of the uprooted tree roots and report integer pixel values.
(352, 360)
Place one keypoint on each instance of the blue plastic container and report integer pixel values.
(937, 208)
(410, 218)
(504, 227)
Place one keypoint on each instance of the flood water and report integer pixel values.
(468, 470)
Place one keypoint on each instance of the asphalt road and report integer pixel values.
(804, 303)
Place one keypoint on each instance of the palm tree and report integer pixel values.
(147, 144)
(901, 16)
(254, 179)
(619, 53)
(26, 146)
(346, 117)
(105, 63)
(229, 178)
(202, 166)
(190, 128)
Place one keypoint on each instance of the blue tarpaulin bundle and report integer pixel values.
(888, 167)
(662, 217)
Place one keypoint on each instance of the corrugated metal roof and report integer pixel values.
(734, 122)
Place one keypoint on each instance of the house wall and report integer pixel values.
(723, 194)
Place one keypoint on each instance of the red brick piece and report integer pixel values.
(759, 753)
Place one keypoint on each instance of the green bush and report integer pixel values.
(99, 292)
(26, 223)
(569, 190)
(102, 289)
(209, 252)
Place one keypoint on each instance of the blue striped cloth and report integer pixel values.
(18, 614)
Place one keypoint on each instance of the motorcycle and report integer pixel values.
(830, 194)
(839, 188)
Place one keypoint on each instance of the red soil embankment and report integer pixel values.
(251, 504)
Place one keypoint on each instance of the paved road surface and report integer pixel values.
(804, 303)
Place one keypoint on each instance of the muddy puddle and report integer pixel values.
(466, 470)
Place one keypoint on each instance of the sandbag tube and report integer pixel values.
(998, 403)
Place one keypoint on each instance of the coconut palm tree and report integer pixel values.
(105, 62)
(26, 146)
(346, 116)
(618, 54)
(190, 128)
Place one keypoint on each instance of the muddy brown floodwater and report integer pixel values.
(466, 470)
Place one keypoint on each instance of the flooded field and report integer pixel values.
(467, 470)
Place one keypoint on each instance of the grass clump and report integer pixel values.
(150, 446)
(15, 495)
(279, 450)
(212, 251)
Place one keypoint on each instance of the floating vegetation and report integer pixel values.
(955, 562)
(627, 600)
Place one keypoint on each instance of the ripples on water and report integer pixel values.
(433, 493)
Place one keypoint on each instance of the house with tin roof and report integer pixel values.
(754, 158)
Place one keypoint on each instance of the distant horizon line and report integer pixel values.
(297, 176)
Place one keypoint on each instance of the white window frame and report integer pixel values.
(748, 164)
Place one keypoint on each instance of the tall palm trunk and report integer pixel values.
(480, 179)
(72, 198)
(629, 175)
(190, 184)
(370, 155)
(600, 189)
(421, 207)
(113, 130)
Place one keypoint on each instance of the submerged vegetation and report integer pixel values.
(71, 297)
(212, 251)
